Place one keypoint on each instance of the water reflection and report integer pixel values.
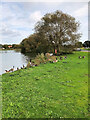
(9, 58)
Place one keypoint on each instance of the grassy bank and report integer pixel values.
(52, 90)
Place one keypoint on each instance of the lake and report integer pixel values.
(10, 58)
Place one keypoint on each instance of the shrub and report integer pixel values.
(40, 58)
(50, 58)
(36, 61)
(53, 58)
(47, 57)
(28, 65)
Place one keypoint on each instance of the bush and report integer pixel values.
(40, 58)
(47, 57)
(28, 65)
(53, 58)
(36, 61)
(50, 58)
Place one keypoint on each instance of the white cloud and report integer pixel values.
(35, 16)
(82, 11)
(0, 11)
(6, 31)
(18, 19)
(45, 0)
(9, 32)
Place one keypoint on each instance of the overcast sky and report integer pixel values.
(18, 18)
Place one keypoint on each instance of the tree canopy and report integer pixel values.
(56, 30)
(86, 44)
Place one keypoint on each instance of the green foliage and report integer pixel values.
(55, 30)
(33, 44)
(86, 44)
(40, 58)
(58, 90)
(37, 61)
(58, 29)
(14, 46)
(53, 58)
(79, 44)
(0, 45)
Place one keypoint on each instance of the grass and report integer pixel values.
(85, 49)
(52, 90)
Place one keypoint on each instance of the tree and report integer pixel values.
(30, 44)
(6, 46)
(24, 45)
(0, 45)
(86, 44)
(33, 44)
(58, 30)
(79, 44)
(16, 46)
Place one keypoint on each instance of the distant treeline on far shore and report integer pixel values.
(86, 44)
(10, 46)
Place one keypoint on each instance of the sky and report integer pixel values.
(18, 19)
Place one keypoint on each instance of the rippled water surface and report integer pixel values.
(10, 58)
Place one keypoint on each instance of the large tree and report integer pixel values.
(58, 30)
(86, 44)
(79, 44)
(28, 44)
(33, 44)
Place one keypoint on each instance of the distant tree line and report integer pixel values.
(0, 45)
(10, 46)
(86, 44)
(32, 44)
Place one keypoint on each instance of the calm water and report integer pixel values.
(10, 58)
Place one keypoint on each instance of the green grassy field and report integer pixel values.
(85, 49)
(52, 90)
